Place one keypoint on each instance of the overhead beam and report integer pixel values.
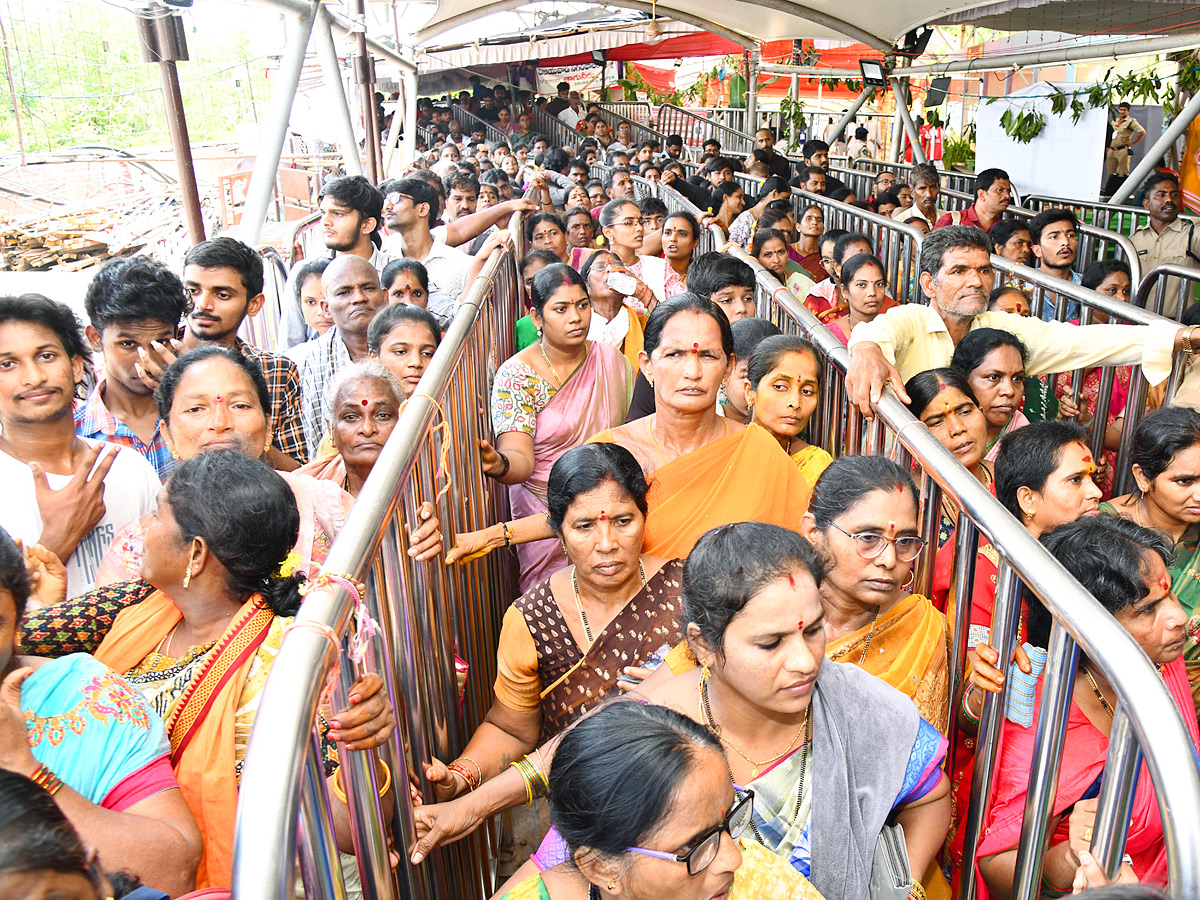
(425, 35)
(833, 23)
(807, 71)
(342, 25)
(1074, 53)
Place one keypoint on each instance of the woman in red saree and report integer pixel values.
(1124, 566)
(707, 470)
(549, 398)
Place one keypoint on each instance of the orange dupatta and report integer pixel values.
(201, 724)
(634, 338)
(743, 477)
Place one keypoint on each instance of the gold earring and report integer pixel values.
(612, 887)
(1028, 517)
(187, 575)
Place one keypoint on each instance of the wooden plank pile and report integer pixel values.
(85, 236)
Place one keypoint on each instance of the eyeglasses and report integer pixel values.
(870, 545)
(705, 850)
(395, 197)
(628, 223)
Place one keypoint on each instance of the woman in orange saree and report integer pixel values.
(707, 470)
(199, 634)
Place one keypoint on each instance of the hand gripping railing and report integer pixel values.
(696, 129)
(1168, 282)
(1147, 721)
(427, 611)
(958, 181)
(304, 239)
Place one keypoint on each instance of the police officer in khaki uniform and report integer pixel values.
(1127, 131)
(1166, 238)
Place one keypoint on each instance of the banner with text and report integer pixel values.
(582, 78)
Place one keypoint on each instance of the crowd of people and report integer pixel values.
(717, 670)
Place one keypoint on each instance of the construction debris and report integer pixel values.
(85, 236)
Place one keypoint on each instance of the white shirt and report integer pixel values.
(570, 117)
(130, 491)
(448, 268)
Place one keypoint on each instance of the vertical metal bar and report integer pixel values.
(181, 147)
(1121, 769)
(266, 163)
(931, 514)
(320, 865)
(12, 92)
(1062, 658)
(900, 90)
(408, 147)
(1005, 615)
(364, 75)
(339, 107)
(1155, 152)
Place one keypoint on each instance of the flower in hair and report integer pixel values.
(290, 563)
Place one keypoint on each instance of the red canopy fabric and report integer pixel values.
(662, 80)
(702, 43)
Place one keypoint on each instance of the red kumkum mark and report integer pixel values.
(792, 582)
(602, 516)
(800, 625)
(1165, 583)
(364, 403)
(891, 527)
(219, 398)
(695, 351)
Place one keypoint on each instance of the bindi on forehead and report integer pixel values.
(602, 516)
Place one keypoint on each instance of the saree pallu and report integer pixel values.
(811, 461)
(743, 477)
(594, 398)
(1084, 753)
(201, 725)
(1017, 420)
(910, 650)
(330, 467)
(810, 264)
(574, 679)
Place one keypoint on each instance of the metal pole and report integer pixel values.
(163, 42)
(364, 74)
(1178, 125)
(12, 92)
(339, 105)
(409, 152)
(1121, 769)
(853, 110)
(1114, 50)
(751, 95)
(393, 138)
(266, 164)
(902, 100)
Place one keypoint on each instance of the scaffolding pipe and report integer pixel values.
(339, 106)
(1075, 53)
(409, 147)
(343, 26)
(853, 110)
(751, 94)
(364, 75)
(900, 91)
(807, 71)
(1178, 125)
(181, 145)
(266, 163)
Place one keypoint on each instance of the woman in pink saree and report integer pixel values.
(550, 397)
(1125, 567)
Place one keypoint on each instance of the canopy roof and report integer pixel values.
(875, 23)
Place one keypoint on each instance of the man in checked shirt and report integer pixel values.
(224, 279)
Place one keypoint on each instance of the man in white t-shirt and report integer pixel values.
(68, 493)
(414, 206)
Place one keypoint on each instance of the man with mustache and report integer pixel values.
(66, 492)
(1165, 239)
(993, 195)
(956, 276)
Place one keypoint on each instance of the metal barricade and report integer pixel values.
(1169, 282)
(427, 613)
(1121, 219)
(1147, 721)
(896, 244)
(696, 129)
(556, 131)
(471, 122)
(958, 181)
(711, 238)
(862, 183)
(640, 130)
(634, 110)
(642, 187)
(304, 239)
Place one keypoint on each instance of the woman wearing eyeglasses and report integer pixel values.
(622, 232)
(642, 799)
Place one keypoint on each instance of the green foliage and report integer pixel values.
(1139, 88)
(80, 79)
(958, 151)
(792, 121)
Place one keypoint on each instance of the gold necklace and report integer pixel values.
(542, 350)
(587, 631)
(755, 767)
(1096, 689)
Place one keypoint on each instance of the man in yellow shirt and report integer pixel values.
(1166, 239)
(956, 275)
(1127, 131)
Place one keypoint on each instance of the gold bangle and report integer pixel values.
(1188, 346)
(340, 792)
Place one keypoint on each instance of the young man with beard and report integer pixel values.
(68, 493)
(131, 304)
(351, 213)
(1054, 239)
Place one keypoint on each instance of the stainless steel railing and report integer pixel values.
(696, 129)
(1095, 243)
(469, 121)
(1147, 722)
(1166, 283)
(426, 611)
(958, 181)
(556, 131)
(1121, 219)
(640, 130)
(634, 110)
(262, 330)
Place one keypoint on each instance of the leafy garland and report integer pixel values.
(1025, 124)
